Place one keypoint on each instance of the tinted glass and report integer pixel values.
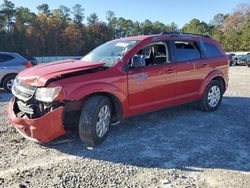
(186, 51)
(211, 50)
(4, 57)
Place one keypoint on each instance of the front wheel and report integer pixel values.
(213, 96)
(95, 120)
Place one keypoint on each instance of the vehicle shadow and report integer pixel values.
(4, 96)
(181, 137)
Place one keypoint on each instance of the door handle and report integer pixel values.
(3, 67)
(169, 71)
(205, 65)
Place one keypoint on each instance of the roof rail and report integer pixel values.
(180, 33)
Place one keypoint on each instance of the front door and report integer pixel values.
(152, 86)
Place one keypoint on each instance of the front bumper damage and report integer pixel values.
(42, 129)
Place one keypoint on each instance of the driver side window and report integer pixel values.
(154, 54)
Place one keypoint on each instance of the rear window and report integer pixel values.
(4, 57)
(186, 51)
(211, 50)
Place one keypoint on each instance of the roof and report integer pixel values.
(178, 34)
(174, 35)
(139, 37)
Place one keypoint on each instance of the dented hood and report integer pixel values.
(40, 74)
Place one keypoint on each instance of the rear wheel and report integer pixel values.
(95, 120)
(213, 96)
(8, 82)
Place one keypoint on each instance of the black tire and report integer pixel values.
(7, 81)
(89, 117)
(232, 63)
(205, 105)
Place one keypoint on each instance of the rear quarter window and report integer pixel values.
(211, 50)
(4, 58)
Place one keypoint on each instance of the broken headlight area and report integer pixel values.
(33, 108)
(32, 102)
(46, 94)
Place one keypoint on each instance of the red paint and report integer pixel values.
(27, 65)
(39, 74)
(138, 91)
(43, 129)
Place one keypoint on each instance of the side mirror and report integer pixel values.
(137, 61)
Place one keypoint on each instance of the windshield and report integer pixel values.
(110, 52)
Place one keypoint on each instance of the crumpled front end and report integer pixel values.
(42, 129)
(37, 121)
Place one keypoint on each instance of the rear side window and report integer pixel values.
(4, 58)
(211, 50)
(186, 51)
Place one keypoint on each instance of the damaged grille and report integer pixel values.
(26, 105)
(23, 91)
(30, 109)
(34, 108)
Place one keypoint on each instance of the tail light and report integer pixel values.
(27, 65)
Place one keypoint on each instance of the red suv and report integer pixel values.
(116, 80)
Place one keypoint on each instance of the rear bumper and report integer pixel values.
(42, 129)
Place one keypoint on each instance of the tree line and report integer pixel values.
(66, 31)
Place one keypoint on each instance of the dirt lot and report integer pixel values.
(177, 147)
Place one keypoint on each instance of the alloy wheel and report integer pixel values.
(103, 121)
(9, 84)
(214, 96)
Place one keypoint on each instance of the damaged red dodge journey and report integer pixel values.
(118, 79)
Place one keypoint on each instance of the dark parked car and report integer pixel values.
(10, 65)
(248, 62)
(243, 60)
(231, 58)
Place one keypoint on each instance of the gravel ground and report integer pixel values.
(176, 147)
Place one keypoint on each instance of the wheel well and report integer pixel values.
(72, 110)
(220, 79)
(5, 76)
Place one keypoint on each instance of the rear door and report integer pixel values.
(5, 66)
(11, 64)
(187, 56)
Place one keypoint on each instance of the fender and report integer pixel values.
(208, 79)
(100, 87)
